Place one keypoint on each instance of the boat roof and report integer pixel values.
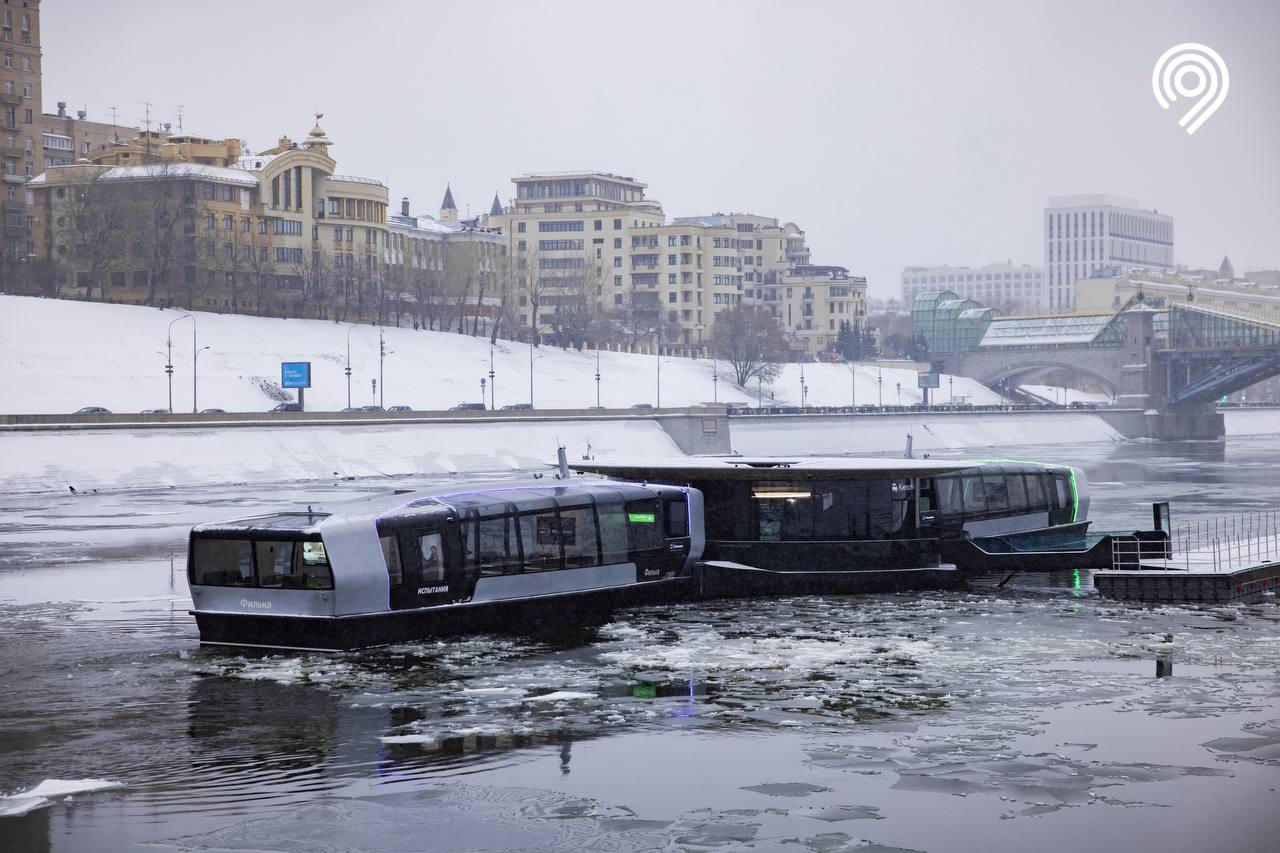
(758, 468)
(529, 493)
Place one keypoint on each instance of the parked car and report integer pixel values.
(372, 409)
(93, 410)
(642, 405)
(469, 407)
(288, 407)
(517, 407)
(156, 412)
(354, 409)
(399, 408)
(213, 411)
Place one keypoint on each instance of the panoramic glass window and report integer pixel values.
(613, 533)
(499, 549)
(540, 537)
(578, 530)
(275, 563)
(222, 562)
(391, 556)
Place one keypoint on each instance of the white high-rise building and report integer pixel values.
(1013, 288)
(1083, 233)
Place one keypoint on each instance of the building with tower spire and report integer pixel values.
(448, 210)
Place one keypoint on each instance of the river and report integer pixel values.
(995, 719)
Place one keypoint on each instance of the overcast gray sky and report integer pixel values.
(893, 133)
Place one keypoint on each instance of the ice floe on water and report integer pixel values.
(46, 792)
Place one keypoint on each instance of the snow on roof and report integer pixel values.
(352, 179)
(775, 468)
(172, 170)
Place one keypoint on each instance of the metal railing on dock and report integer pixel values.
(1228, 544)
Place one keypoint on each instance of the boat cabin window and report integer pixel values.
(1017, 489)
(677, 510)
(222, 562)
(996, 491)
(491, 545)
(391, 556)
(1063, 490)
(948, 495)
(431, 552)
(613, 533)
(578, 534)
(269, 564)
(973, 494)
(1035, 494)
(540, 534)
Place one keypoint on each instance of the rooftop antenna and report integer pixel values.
(115, 125)
(179, 106)
(147, 124)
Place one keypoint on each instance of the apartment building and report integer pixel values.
(21, 151)
(273, 231)
(447, 268)
(591, 243)
(1085, 233)
(67, 138)
(1013, 288)
(569, 237)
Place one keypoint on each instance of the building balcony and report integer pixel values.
(13, 152)
(8, 98)
(14, 179)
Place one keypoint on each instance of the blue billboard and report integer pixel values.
(295, 374)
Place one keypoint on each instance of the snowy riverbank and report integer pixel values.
(60, 355)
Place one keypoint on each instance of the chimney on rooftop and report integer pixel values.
(404, 206)
(62, 109)
(81, 114)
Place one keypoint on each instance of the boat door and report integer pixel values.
(429, 566)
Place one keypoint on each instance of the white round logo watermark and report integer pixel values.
(1190, 70)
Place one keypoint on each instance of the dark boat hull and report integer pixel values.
(732, 580)
(541, 615)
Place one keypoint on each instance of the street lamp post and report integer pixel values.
(880, 386)
(597, 376)
(492, 389)
(168, 358)
(661, 361)
(531, 361)
(382, 357)
(194, 361)
(899, 393)
(853, 385)
(195, 354)
(482, 391)
(351, 329)
(951, 385)
(715, 381)
(804, 389)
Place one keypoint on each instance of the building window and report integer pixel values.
(617, 225)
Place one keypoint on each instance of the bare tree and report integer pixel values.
(751, 340)
(97, 232)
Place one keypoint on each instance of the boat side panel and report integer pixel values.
(697, 527)
(554, 582)
(259, 600)
(1007, 524)
(360, 581)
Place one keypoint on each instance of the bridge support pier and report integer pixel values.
(1181, 424)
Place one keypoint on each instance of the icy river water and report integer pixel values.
(1020, 718)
